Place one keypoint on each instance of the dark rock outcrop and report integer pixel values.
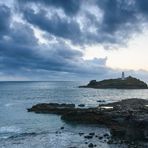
(54, 108)
(127, 83)
(127, 119)
(91, 145)
(81, 105)
(88, 136)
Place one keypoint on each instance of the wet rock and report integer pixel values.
(88, 137)
(58, 132)
(101, 101)
(90, 145)
(110, 141)
(62, 127)
(81, 105)
(118, 131)
(100, 137)
(54, 108)
(92, 134)
(81, 134)
(106, 135)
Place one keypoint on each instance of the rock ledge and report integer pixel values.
(127, 118)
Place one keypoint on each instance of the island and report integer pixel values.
(119, 83)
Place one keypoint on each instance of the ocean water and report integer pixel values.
(22, 129)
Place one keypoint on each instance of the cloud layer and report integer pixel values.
(87, 22)
(67, 26)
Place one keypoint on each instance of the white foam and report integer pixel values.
(63, 140)
(9, 104)
(4, 137)
(9, 129)
(107, 107)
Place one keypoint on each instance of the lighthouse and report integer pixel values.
(123, 77)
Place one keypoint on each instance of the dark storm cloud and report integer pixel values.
(55, 25)
(142, 6)
(16, 55)
(116, 14)
(59, 58)
(4, 19)
(125, 16)
(120, 19)
(20, 50)
(70, 7)
(20, 53)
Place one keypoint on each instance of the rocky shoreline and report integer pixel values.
(126, 119)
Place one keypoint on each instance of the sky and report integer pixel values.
(73, 39)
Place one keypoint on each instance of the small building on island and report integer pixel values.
(123, 76)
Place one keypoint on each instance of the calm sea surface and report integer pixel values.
(20, 129)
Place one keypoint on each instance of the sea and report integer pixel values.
(22, 129)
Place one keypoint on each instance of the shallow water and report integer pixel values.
(20, 129)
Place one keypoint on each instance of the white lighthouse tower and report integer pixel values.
(123, 77)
